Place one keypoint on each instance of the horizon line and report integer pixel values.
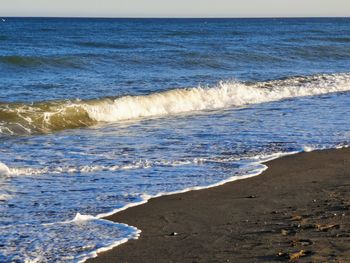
(178, 17)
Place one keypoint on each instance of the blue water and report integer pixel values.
(98, 114)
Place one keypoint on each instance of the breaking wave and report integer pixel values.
(45, 117)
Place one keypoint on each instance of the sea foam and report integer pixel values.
(4, 170)
(51, 116)
(224, 95)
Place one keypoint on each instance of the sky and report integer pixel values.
(175, 8)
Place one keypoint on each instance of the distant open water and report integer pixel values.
(97, 115)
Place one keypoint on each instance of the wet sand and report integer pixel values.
(297, 210)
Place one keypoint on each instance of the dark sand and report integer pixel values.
(300, 204)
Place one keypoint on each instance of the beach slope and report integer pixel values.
(299, 208)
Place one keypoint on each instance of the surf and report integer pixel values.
(50, 116)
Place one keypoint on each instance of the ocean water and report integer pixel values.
(97, 115)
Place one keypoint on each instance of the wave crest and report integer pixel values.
(16, 118)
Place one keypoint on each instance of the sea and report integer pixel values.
(98, 115)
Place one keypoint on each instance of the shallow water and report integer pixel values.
(142, 126)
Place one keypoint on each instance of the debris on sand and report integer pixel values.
(326, 227)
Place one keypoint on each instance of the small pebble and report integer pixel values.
(252, 196)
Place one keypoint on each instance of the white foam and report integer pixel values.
(95, 253)
(141, 164)
(28, 171)
(4, 197)
(308, 148)
(4, 170)
(80, 217)
(224, 95)
(79, 113)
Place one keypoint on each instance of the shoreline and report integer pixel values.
(275, 212)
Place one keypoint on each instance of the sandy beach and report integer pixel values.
(105, 105)
(297, 210)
